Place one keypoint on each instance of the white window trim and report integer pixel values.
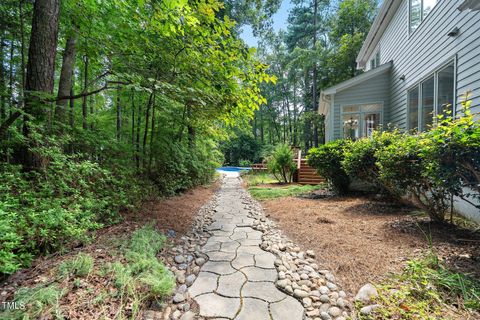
(362, 113)
(418, 85)
(422, 18)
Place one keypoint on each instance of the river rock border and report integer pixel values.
(184, 260)
(298, 274)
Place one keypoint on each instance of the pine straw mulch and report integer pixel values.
(364, 239)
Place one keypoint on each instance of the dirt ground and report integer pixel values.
(363, 240)
(175, 213)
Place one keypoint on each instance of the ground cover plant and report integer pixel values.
(426, 289)
(134, 278)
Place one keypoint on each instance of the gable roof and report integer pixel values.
(384, 16)
(359, 79)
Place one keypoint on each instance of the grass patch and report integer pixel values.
(427, 290)
(265, 193)
(36, 302)
(80, 266)
(143, 277)
(260, 177)
(137, 276)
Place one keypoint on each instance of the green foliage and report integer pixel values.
(360, 160)
(245, 163)
(267, 193)
(280, 163)
(81, 266)
(148, 123)
(36, 302)
(241, 147)
(43, 211)
(452, 154)
(143, 277)
(254, 178)
(403, 169)
(426, 289)
(327, 160)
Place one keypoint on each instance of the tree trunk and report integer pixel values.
(133, 117)
(3, 87)
(295, 112)
(137, 143)
(152, 133)
(119, 115)
(22, 52)
(84, 98)
(66, 74)
(40, 68)
(308, 124)
(314, 84)
(262, 137)
(145, 133)
(72, 104)
(190, 128)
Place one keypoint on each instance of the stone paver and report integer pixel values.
(253, 309)
(287, 309)
(213, 305)
(238, 280)
(205, 282)
(231, 284)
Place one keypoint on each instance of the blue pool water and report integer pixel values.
(233, 169)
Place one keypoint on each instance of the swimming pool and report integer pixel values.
(232, 171)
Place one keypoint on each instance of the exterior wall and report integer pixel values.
(375, 90)
(418, 54)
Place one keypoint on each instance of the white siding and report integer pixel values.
(417, 55)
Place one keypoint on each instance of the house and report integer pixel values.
(418, 59)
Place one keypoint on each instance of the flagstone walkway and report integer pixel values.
(238, 280)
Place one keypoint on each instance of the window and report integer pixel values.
(375, 61)
(419, 9)
(432, 97)
(413, 108)
(428, 88)
(361, 120)
(446, 82)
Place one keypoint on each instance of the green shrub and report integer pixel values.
(327, 160)
(42, 211)
(281, 164)
(452, 153)
(403, 170)
(245, 163)
(360, 161)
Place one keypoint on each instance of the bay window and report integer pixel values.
(361, 120)
(431, 98)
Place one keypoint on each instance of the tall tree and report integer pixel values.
(66, 75)
(40, 69)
